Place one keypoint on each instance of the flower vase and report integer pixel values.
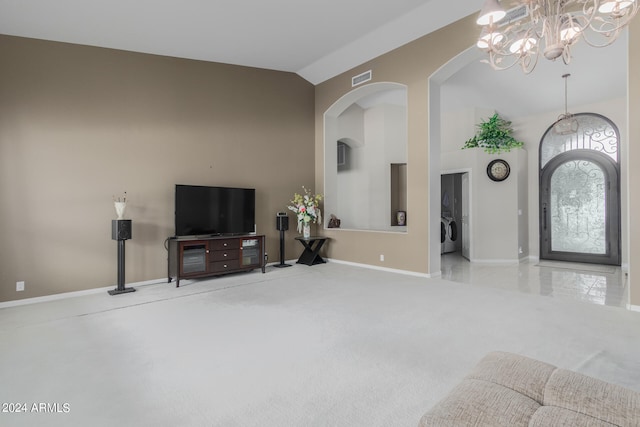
(120, 207)
(306, 231)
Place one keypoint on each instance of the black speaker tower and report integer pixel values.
(121, 231)
(282, 224)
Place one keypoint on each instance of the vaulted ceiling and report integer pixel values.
(314, 39)
(317, 40)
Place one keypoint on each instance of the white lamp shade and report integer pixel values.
(570, 34)
(522, 45)
(488, 39)
(490, 13)
(613, 5)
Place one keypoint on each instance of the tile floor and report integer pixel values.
(597, 284)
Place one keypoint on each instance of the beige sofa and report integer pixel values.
(510, 390)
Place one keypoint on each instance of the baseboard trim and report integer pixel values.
(497, 261)
(73, 294)
(631, 307)
(387, 269)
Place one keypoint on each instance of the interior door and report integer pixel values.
(580, 208)
(466, 241)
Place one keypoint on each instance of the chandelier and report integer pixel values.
(518, 35)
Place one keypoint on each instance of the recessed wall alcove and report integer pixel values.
(365, 152)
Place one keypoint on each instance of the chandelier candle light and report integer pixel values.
(518, 35)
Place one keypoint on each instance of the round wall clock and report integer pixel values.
(498, 170)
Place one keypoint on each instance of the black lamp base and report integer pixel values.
(120, 288)
(281, 265)
(121, 291)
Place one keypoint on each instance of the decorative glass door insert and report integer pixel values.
(578, 208)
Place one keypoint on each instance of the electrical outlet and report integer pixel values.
(381, 257)
(19, 286)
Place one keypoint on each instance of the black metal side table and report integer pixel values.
(311, 253)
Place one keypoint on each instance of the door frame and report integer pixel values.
(465, 231)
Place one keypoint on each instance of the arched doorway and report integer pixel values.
(580, 192)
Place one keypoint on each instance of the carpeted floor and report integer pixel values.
(329, 345)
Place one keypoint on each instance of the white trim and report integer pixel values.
(401, 229)
(387, 269)
(633, 307)
(64, 295)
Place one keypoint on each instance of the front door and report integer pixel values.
(580, 209)
(579, 193)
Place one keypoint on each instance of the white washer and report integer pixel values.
(448, 234)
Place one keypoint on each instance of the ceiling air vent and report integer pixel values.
(361, 78)
(514, 14)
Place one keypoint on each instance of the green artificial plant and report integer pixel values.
(494, 136)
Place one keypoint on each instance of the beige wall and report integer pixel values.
(412, 65)
(79, 124)
(634, 153)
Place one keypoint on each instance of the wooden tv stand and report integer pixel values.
(192, 258)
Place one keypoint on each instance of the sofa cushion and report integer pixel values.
(547, 416)
(590, 396)
(522, 374)
(473, 403)
(510, 390)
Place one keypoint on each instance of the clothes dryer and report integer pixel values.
(448, 234)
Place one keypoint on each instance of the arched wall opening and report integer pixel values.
(365, 158)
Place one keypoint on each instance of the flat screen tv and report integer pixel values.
(202, 210)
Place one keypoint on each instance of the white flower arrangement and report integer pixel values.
(122, 199)
(306, 207)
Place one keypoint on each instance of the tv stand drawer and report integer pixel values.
(223, 255)
(224, 244)
(219, 266)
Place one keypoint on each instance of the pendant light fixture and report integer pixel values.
(566, 123)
